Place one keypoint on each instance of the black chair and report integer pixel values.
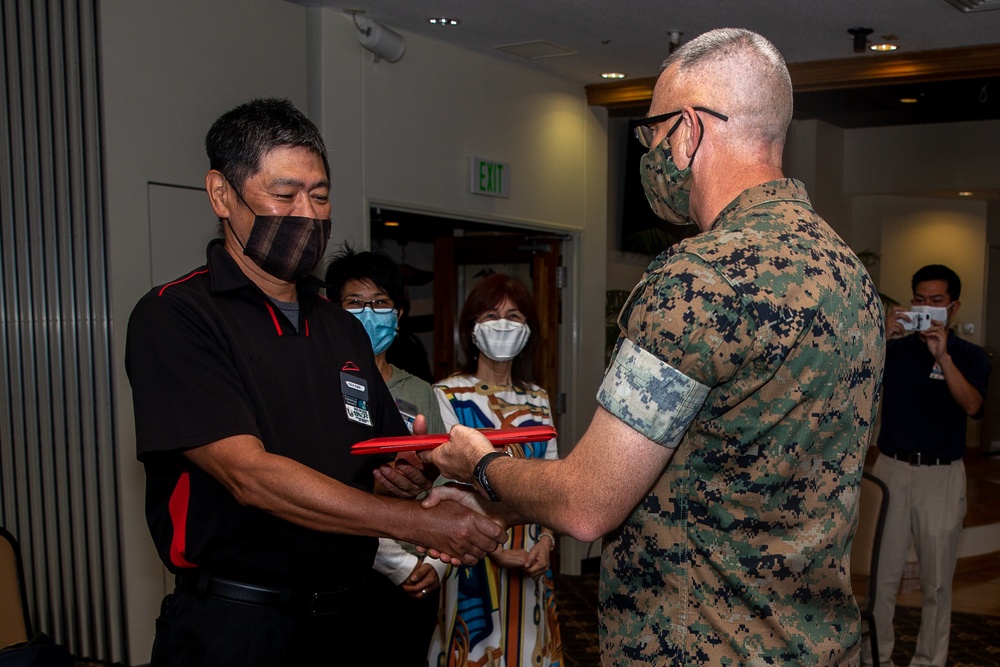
(15, 624)
(872, 507)
(20, 646)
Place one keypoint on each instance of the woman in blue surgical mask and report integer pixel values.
(500, 611)
(403, 594)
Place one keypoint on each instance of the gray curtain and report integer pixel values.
(58, 483)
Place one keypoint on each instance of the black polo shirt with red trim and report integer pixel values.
(919, 414)
(209, 356)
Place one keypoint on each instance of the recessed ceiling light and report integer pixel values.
(391, 223)
(883, 47)
(441, 20)
(613, 75)
(964, 193)
(908, 100)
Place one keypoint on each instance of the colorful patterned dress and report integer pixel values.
(493, 616)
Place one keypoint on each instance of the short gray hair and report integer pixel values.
(747, 72)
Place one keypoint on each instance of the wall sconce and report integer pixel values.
(375, 37)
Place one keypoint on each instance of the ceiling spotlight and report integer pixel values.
(441, 20)
(675, 40)
(384, 43)
(964, 193)
(884, 47)
(860, 38)
(908, 100)
(613, 75)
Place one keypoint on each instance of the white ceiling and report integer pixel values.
(633, 36)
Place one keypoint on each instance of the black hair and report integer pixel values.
(376, 267)
(239, 138)
(938, 272)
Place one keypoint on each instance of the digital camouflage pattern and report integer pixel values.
(660, 175)
(739, 555)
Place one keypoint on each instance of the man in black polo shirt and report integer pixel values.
(933, 382)
(249, 390)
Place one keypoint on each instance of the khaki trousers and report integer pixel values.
(926, 506)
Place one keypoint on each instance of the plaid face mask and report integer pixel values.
(287, 247)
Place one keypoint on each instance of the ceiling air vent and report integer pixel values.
(536, 50)
(974, 5)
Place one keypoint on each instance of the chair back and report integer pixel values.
(15, 625)
(872, 507)
(873, 504)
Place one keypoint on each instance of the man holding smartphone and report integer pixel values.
(933, 382)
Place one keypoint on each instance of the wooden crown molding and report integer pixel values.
(857, 72)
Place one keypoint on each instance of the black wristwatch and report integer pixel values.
(479, 474)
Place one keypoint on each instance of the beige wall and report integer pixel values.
(889, 173)
(917, 232)
(401, 134)
(168, 70)
(922, 159)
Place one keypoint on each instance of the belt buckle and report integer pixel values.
(331, 602)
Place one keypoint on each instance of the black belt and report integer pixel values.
(299, 603)
(918, 459)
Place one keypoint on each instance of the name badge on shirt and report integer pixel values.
(408, 411)
(936, 373)
(355, 391)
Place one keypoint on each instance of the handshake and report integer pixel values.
(452, 523)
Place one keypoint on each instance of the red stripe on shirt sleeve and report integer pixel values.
(178, 507)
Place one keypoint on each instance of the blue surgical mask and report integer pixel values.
(381, 328)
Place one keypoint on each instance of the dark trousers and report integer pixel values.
(200, 631)
(398, 627)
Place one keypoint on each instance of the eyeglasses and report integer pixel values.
(644, 133)
(380, 306)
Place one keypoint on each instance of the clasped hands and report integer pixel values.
(473, 530)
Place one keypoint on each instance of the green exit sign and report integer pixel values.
(489, 178)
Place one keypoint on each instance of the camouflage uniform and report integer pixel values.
(756, 350)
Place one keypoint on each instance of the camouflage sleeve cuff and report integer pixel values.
(649, 395)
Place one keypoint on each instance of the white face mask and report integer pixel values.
(501, 340)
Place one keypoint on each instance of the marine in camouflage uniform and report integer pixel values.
(756, 350)
(723, 466)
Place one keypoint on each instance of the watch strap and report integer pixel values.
(479, 474)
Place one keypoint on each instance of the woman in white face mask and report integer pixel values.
(512, 586)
